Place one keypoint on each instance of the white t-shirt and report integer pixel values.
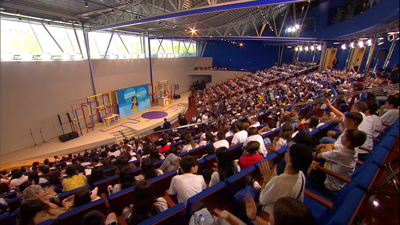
(376, 123)
(239, 137)
(221, 143)
(281, 143)
(390, 117)
(188, 147)
(260, 140)
(366, 126)
(18, 181)
(342, 162)
(204, 117)
(228, 134)
(284, 185)
(255, 125)
(186, 186)
(115, 154)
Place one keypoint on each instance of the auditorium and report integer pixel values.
(199, 112)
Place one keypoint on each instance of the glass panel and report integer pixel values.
(167, 46)
(101, 39)
(133, 43)
(62, 38)
(74, 42)
(183, 49)
(94, 50)
(18, 38)
(47, 43)
(82, 43)
(154, 43)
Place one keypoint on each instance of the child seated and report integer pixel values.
(342, 161)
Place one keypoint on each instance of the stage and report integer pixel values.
(136, 124)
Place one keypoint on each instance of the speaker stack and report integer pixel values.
(71, 135)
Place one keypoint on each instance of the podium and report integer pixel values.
(163, 101)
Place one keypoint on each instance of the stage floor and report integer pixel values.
(132, 125)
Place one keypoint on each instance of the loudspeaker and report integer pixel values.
(64, 137)
(177, 96)
(73, 134)
(382, 53)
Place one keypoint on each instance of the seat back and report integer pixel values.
(238, 181)
(210, 198)
(48, 222)
(75, 215)
(236, 151)
(6, 219)
(118, 201)
(13, 204)
(9, 195)
(66, 194)
(199, 151)
(103, 184)
(162, 183)
(173, 215)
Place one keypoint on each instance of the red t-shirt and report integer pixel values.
(163, 149)
(249, 160)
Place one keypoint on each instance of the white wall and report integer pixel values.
(217, 76)
(33, 93)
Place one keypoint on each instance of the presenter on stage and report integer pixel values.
(135, 104)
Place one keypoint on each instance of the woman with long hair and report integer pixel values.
(97, 174)
(226, 166)
(145, 204)
(285, 134)
(148, 170)
(35, 211)
(126, 180)
(189, 144)
(135, 104)
(209, 137)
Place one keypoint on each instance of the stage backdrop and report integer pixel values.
(133, 99)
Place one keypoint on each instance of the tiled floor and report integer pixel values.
(381, 208)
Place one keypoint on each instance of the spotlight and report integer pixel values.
(78, 56)
(26, 57)
(289, 29)
(352, 45)
(241, 44)
(7, 56)
(300, 48)
(360, 44)
(344, 47)
(86, 4)
(289, 46)
(369, 42)
(336, 43)
(193, 31)
(319, 47)
(312, 48)
(306, 48)
(296, 49)
(297, 26)
(65, 56)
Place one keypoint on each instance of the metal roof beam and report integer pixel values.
(37, 10)
(194, 11)
(254, 38)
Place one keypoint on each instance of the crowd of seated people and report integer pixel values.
(235, 97)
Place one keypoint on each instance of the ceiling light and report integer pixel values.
(369, 42)
(300, 48)
(319, 47)
(297, 26)
(306, 48)
(8, 56)
(289, 29)
(344, 46)
(241, 44)
(360, 44)
(352, 45)
(289, 46)
(336, 43)
(296, 49)
(312, 48)
(86, 4)
(193, 31)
